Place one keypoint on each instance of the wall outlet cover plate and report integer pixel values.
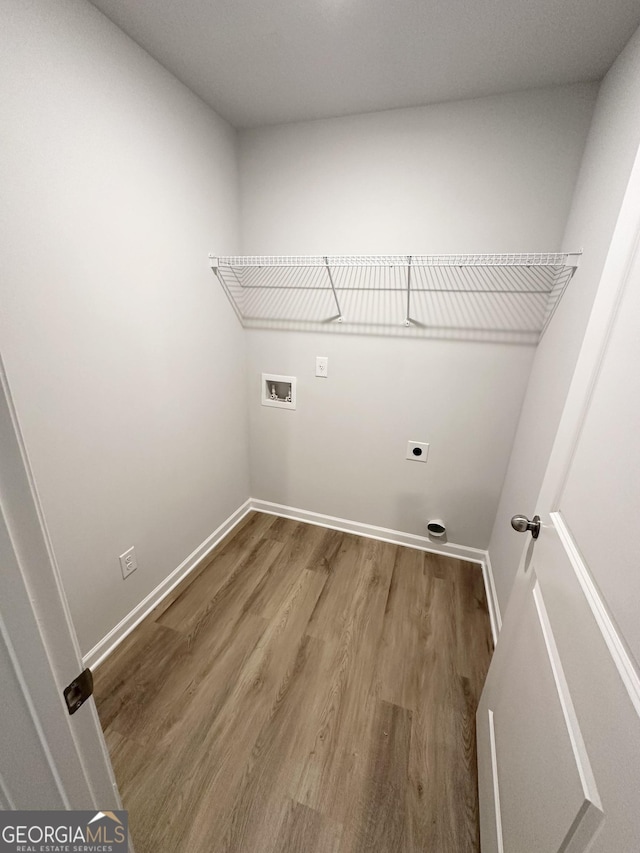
(417, 451)
(322, 366)
(128, 562)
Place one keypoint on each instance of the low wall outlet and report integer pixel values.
(417, 451)
(322, 366)
(128, 562)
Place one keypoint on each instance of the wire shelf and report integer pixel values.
(488, 295)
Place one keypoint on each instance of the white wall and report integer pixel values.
(611, 148)
(494, 174)
(124, 358)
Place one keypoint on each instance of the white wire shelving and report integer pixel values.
(488, 295)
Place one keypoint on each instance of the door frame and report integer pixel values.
(38, 634)
(621, 256)
(618, 266)
(621, 264)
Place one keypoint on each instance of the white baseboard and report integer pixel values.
(104, 647)
(397, 537)
(107, 644)
(385, 534)
(492, 597)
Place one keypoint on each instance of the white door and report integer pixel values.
(48, 759)
(559, 717)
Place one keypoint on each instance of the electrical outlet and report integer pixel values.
(128, 562)
(417, 451)
(322, 366)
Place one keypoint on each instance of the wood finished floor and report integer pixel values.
(305, 691)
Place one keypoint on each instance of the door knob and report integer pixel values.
(521, 524)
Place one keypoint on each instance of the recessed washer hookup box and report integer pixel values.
(278, 391)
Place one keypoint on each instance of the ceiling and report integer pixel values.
(276, 61)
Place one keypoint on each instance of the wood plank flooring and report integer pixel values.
(305, 691)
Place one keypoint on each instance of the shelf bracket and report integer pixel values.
(561, 283)
(214, 263)
(408, 321)
(333, 288)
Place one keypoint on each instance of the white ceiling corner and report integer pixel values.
(290, 60)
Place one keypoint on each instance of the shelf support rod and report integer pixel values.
(333, 288)
(215, 268)
(408, 319)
